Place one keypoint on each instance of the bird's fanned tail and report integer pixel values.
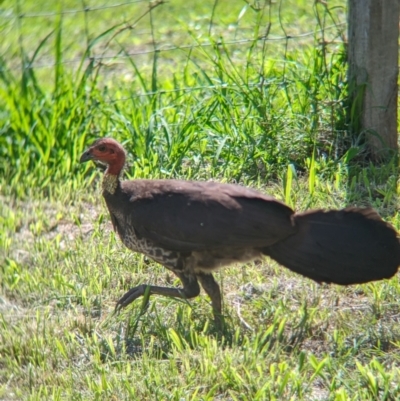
(345, 247)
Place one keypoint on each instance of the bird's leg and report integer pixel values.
(211, 287)
(190, 289)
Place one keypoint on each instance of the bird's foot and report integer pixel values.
(130, 296)
(219, 322)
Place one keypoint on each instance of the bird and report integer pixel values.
(193, 228)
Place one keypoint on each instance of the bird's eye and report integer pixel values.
(102, 148)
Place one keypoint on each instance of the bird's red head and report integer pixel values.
(107, 151)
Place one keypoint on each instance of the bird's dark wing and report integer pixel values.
(344, 247)
(187, 216)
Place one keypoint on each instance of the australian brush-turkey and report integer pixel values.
(193, 228)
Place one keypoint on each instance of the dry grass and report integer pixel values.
(270, 114)
(286, 337)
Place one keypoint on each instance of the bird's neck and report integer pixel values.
(110, 183)
(113, 172)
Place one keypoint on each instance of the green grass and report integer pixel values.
(270, 114)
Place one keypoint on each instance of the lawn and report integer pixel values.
(235, 91)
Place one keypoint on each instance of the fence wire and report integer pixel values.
(129, 31)
(11, 14)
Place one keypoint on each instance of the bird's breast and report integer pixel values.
(168, 258)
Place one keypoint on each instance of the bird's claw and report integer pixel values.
(129, 297)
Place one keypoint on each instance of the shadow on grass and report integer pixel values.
(158, 334)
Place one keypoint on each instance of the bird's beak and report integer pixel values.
(86, 156)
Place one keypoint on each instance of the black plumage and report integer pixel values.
(193, 228)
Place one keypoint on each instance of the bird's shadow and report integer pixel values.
(147, 329)
(144, 330)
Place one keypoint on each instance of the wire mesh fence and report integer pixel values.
(205, 83)
(115, 33)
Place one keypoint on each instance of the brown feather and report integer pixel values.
(344, 247)
(194, 227)
(187, 216)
